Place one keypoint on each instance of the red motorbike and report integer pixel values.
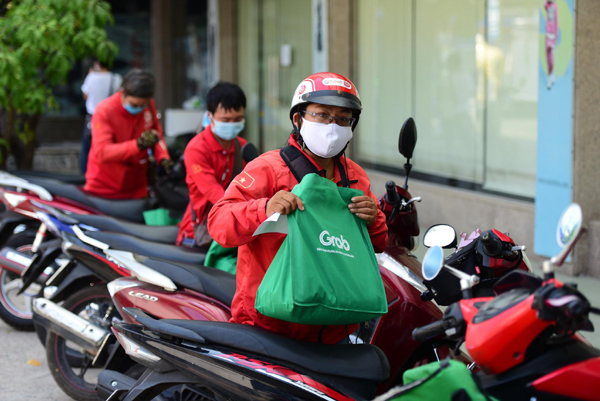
(22, 234)
(525, 340)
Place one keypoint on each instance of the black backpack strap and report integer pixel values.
(344, 177)
(297, 162)
(299, 165)
(238, 163)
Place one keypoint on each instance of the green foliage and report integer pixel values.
(39, 41)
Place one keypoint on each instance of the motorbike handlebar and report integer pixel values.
(431, 330)
(391, 196)
(491, 245)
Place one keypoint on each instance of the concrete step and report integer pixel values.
(60, 157)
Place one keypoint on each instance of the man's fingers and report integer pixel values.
(293, 200)
(284, 202)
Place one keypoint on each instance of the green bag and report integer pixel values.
(159, 217)
(448, 380)
(325, 272)
(221, 258)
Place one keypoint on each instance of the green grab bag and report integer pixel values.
(325, 272)
(447, 380)
(221, 258)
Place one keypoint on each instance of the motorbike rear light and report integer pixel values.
(134, 350)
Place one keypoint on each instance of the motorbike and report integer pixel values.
(525, 342)
(489, 255)
(24, 236)
(79, 285)
(245, 362)
(92, 248)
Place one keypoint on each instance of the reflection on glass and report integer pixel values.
(471, 87)
(432, 262)
(439, 235)
(569, 224)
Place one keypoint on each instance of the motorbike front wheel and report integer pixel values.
(70, 366)
(15, 309)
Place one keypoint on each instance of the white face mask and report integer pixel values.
(325, 140)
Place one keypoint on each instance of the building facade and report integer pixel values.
(473, 75)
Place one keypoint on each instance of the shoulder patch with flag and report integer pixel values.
(196, 168)
(244, 179)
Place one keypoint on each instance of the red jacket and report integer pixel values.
(117, 168)
(209, 169)
(235, 217)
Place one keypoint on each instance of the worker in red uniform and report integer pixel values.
(324, 112)
(125, 128)
(209, 157)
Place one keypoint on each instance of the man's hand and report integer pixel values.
(365, 208)
(147, 139)
(284, 202)
(167, 165)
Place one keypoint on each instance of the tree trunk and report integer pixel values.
(26, 150)
(9, 126)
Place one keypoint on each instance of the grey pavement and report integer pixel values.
(20, 380)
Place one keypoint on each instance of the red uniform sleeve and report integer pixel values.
(201, 170)
(236, 216)
(160, 149)
(378, 231)
(104, 144)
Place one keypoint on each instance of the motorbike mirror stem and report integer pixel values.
(467, 281)
(549, 266)
(407, 169)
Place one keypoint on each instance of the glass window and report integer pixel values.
(466, 73)
(264, 28)
(512, 55)
(384, 78)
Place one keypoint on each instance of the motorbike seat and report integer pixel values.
(213, 282)
(76, 179)
(365, 364)
(162, 234)
(128, 209)
(142, 247)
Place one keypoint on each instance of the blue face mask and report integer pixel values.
(228, 131)
(133, 110)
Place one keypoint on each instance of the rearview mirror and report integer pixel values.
(442, 235)
(408, 138)
(433, 261)
(567, 231)
(569, 225)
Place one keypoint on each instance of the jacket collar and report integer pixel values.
(293, 141)
(211, 141)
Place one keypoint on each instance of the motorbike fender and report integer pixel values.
(10, 220)
(39, 264)
(560, 382)
(70, 280)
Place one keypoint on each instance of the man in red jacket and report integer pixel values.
(124, 128)
(325, 110)
(209, 157)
